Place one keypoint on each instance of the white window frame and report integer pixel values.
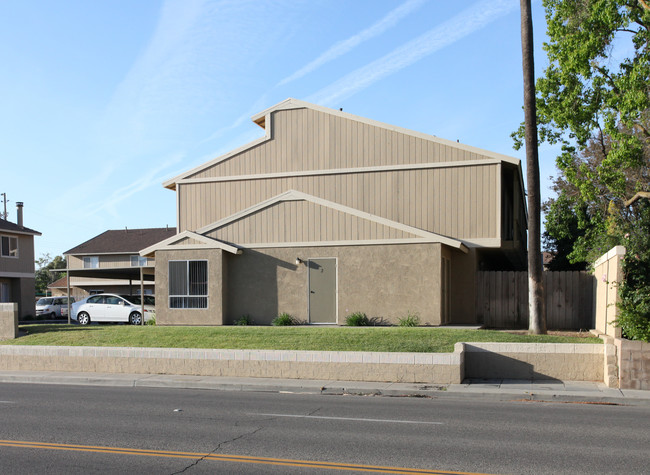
(139, 261)
(185, 298)
(12, 253)
(89, 261)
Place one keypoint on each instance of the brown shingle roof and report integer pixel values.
(123, 241)
(12, 227)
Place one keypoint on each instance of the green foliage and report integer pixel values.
(421, 340)
(634, 307)
(151, 321)
(411, 320)
(594, 100)
(46, 272)
(244, 320)
(283, 320)
(357, 319)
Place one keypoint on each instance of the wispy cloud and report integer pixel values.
(150, 178)
(344, 46)
(468, 21)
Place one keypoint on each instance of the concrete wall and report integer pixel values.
(444, 368)
(383, 281)
(608, 272)
(8, 321)
(633, 364)
(562, 361)
(213, 315)
(578, 362)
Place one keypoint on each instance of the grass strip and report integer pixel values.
(383, 339)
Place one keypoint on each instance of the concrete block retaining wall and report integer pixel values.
(8, 321)
(580, 362)
(633, 364)
(563, 361)
(329, 365)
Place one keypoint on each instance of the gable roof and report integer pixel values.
(10, 227)
(189, 240)
(264, 118)
(404, 233)
(122, 241)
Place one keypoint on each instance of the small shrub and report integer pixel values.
(151, 321)
(357, 319)
(284, 319)
(244, 320)
(411, 320)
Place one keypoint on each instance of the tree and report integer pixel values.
(587, 97)
(581, 227)
(536, 313)
(46, 272)
(634, 307)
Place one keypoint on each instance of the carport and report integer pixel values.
(144, 273)
(115, 255)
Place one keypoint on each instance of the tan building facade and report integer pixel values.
(329, 214)
(17, 282)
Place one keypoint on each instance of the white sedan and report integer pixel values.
(114, 308)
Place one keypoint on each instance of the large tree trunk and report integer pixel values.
(536, 310)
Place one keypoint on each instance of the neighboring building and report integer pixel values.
(17, 282)
(110, 262)
(331, 213)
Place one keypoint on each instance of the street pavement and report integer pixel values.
(494, 390)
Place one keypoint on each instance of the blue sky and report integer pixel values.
(101, 101)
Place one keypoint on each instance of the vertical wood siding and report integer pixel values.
(502, 299)
(456, 202)
(305, 139)
(302, 221)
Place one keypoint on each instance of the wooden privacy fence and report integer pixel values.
(502, 299)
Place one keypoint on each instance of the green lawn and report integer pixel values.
(421, 340)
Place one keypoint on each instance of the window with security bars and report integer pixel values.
(188, 284)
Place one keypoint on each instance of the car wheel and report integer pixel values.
(83, 318)
(135, 318)
(52, 316)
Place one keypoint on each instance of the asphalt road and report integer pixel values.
(79, 429)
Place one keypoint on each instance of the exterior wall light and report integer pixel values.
(299, 261)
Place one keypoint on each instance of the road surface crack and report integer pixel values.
(217, 448)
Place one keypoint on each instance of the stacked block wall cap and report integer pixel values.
(613, 252)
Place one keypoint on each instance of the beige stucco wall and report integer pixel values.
(608, 272)
(383, 281)
(463, 286)
(213, 315)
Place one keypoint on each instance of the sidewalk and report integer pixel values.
(491, 390)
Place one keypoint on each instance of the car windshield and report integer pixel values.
(47, 301)
(135, 299)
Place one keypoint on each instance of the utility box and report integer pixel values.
(8, 321)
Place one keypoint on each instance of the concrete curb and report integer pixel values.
(551, 392)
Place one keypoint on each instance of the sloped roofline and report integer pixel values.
(294, 195)
(265, 116)
(13, 228)
(206, 242)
